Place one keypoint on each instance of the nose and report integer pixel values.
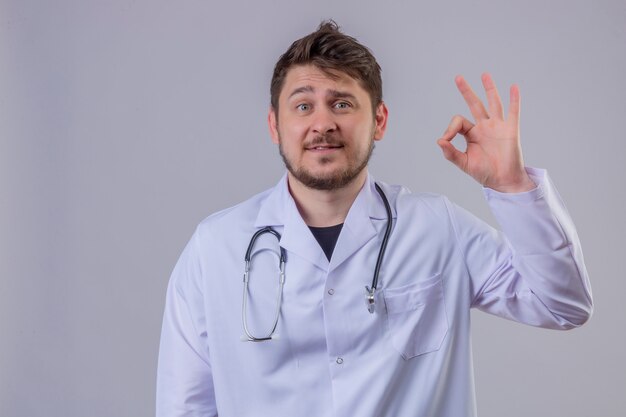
(323, 121)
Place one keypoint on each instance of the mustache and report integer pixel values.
(328, 139)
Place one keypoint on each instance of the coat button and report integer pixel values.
(339, 361)
(331, 291)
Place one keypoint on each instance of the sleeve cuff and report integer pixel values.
(538, 176)
(540, 212)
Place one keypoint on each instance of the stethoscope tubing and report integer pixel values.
(281, 278)
(383, 245)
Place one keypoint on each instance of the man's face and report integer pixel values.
(325, 128)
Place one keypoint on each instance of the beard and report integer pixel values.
(333, 180)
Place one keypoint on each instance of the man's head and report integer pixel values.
(329, 92)
(331, 51)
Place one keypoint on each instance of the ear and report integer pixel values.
(380, 120)
(272, 122)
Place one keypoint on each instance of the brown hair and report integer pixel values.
(330, 50)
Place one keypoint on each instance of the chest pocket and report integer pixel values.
(416, 317)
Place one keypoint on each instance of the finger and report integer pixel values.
(514, 104)
(452, 154)
(493, 98)
(458, 125)
(472, 100)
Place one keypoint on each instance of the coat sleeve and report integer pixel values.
(533, 270)
(184, 377)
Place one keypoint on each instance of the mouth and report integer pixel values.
(323, 148)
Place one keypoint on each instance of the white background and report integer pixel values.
(124, 123)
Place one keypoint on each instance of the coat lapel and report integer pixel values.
(358, 229)
(279, 210)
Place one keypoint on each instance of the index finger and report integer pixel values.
(475, 105)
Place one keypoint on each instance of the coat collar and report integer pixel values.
(279, 210)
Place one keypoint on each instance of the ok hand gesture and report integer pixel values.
(493, 156)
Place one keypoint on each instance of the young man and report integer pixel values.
(301, 335)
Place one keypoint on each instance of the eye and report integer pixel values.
(342, 105)
(303, 107)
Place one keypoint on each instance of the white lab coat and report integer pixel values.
(333, 358)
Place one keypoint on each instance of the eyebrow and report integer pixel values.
(331, 93)
(341, 94)
(304, 89)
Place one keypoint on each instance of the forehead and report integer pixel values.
(311, 76)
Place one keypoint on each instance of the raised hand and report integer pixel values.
(493, 156)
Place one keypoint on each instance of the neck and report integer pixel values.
(323, 208)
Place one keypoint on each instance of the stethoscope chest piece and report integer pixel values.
(369, 299)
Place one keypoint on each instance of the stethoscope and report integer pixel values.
(281, 275)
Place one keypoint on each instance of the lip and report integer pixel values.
(324, 148)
